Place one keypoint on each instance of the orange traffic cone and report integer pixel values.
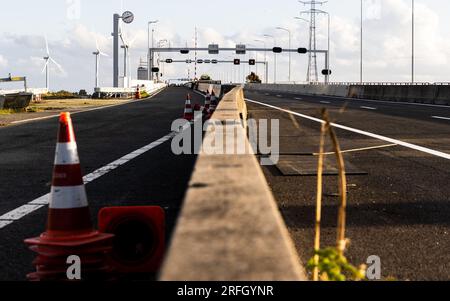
(138, 93)
(188, 110)
(69, 227)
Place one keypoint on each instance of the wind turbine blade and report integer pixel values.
(96, 44)
(58, 65)
(133, 41)
(46, 46)
(103, 54)
(45, 66)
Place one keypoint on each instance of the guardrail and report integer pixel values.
(230, 228)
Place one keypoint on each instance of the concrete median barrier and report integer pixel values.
(230, 228)
(425, 94)
(442, 95)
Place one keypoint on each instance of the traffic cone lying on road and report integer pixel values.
(188, 110)
(69, 227)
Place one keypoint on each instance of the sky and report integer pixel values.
(73, 26)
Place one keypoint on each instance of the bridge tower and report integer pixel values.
(312, 75)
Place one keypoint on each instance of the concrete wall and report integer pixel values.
(427, 94)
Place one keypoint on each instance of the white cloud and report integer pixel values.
(387, 44)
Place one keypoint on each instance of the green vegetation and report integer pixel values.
(330, 264)
(205, 77)
(335, 267)
(144, 94)
(253, 78)
(60, 95)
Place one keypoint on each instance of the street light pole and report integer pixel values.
(361, 51)
(290, 54)
(413, 43)
(266, 75)
(150, 54)
(274, 58)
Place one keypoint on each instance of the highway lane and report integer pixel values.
(397, 109)
(399, 206)
(157, 177)
(395, 120)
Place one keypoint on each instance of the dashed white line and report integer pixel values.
(368, 108)
(325, 102)
(19, 213)
(359, 149)
(385, 101)
(279, 95)
(439, 117)
(364, 133)
(298, 98)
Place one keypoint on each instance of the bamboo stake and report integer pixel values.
(319, 197)
(341, 240)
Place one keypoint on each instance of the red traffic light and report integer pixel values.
(237, 61)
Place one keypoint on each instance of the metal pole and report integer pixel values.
(361, 58)
(96, 71)
(290, 57)
(116, 51)
(327, 78)
(148, 51)
(413, 44)
(153, 54)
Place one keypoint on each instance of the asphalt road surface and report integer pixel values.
(157, 177)
(399, 197)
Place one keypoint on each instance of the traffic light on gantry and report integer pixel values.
(237, 61)
(252, 62)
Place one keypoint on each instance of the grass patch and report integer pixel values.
(11, 111)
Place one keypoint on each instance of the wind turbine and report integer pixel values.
(46, 68)
(97, 54)
(126, 57)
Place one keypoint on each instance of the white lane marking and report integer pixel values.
(364, 133)
(325, 102)
(384, 101)
(22, 211)
(298, 98)
(267, 94)
(368, 108)
(85, 111)
(279, 95)
(5, 223)
(439, 117)
(359, 149)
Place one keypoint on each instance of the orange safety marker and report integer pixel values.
(69, 226)
(138, 93)
(188, 110)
